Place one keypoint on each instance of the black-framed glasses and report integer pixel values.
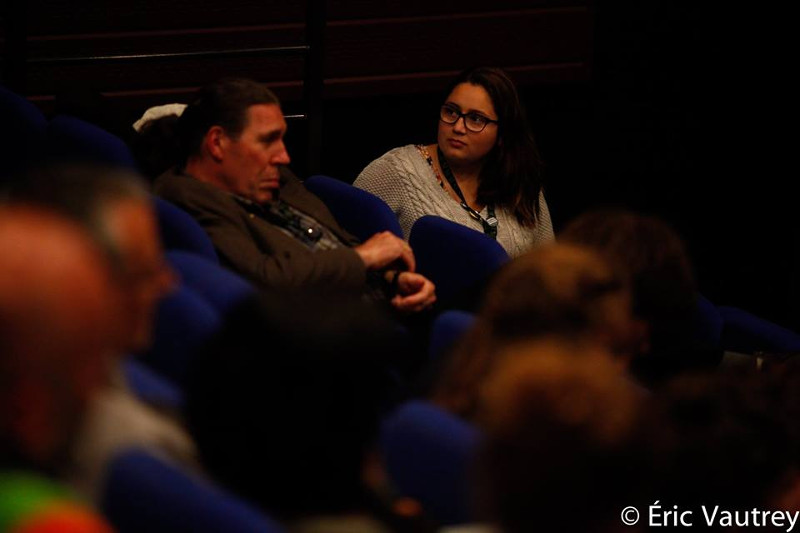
(474, 122)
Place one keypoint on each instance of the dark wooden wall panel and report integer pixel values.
(369, 9)
(58, 17)
(370, 47)
(389, 47)
(165, 41)
(159, 75)
(93, 16)
(435, 82)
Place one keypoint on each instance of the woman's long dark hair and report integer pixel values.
(511, 176)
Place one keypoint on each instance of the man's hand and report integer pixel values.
(415, 292)
(383, 249)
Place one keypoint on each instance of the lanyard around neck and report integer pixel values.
(490, 223)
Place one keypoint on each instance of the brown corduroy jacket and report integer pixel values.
(257, 249)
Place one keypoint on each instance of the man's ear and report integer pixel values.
(215, 142)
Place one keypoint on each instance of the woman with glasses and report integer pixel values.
(483, 172)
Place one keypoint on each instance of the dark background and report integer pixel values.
(665, 107)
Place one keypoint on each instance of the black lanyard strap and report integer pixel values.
(490, 223)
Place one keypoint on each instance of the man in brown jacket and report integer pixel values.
(261, 219)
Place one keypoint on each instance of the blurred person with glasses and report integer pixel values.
(484, 171)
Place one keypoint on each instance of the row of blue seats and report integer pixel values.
(27, 137)
(427, 451)
(728, 328)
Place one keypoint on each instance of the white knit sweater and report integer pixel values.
(403, 179)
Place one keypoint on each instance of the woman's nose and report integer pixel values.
(460, 125)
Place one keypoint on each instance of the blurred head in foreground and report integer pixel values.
(58, 319)
(653, 260)
(555, 289)
(560, 452)
(113, 206)
(285, 404)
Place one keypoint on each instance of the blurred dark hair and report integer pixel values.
(560, 432)
(286, 401)
(725, 439)
(555, 289)
(646, 250)
(653, 258)
(511, 176)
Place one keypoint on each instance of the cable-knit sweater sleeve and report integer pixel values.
(544, 225)
(385, 178)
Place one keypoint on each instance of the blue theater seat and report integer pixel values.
(447, 329)
(179, 231)
(152, 388)
(144, 493)
(219, 286)
(459, 260)
(428, 455)
(74, 140)
(185, 321)
(361, 213)
(746, 333)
